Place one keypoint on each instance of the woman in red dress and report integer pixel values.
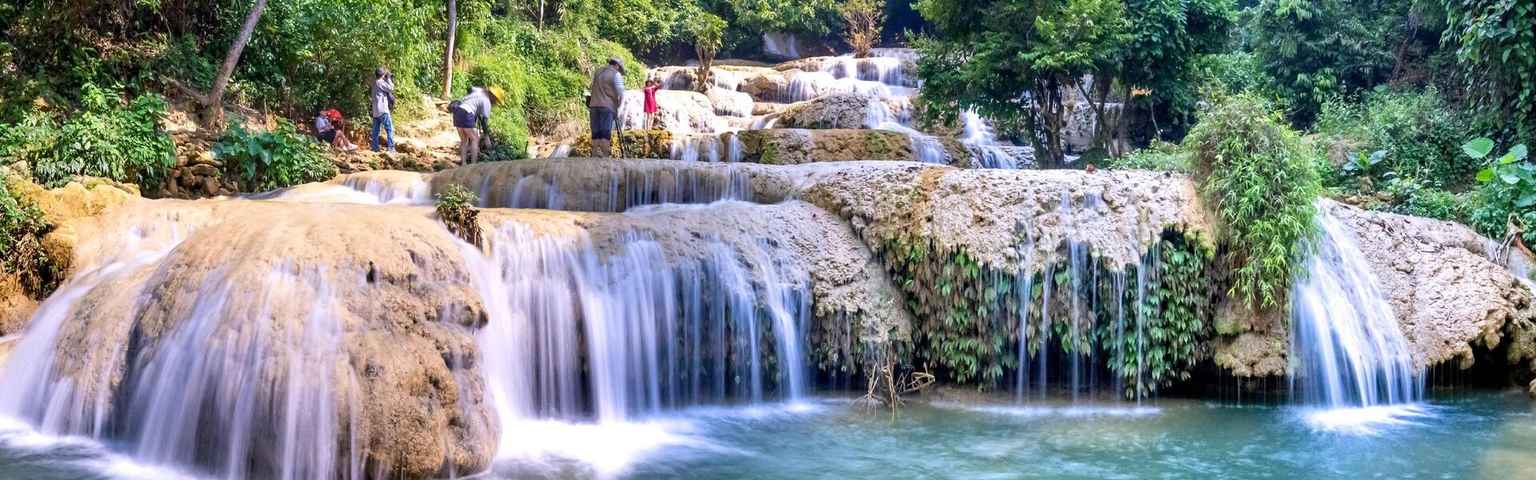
(651, 86)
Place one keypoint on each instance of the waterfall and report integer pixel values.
(1345, 341)
(189, 393)
(654, 332)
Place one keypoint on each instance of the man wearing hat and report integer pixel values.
(607, 94)
(472, 112)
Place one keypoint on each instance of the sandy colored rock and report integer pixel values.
(371, 305)
(16, 307)
(1447, 293)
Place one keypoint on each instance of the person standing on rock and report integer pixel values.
(382, 101)
(651, 86)
(607, 92)
(472, 118)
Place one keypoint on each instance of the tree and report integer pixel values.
(708, 32)
(213, 103)
(1494, 40)
(453, 29)
(1166, 38)
(1315, 49)
(863, 20)
(1014, 63)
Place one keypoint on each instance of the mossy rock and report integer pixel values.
(632, 144)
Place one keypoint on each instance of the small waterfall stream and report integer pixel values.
(1348, 348)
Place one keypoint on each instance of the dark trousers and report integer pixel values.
(601, 122)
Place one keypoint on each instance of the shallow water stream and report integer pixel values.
(1483, 435)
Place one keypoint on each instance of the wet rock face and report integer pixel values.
(677, 110)
(353, 325)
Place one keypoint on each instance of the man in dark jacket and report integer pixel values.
(607, 91)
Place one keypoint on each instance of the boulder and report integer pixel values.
(784, 146)
(16, 307)
(730, 102)
(838, 110)
(1449, 295)
(352, 324)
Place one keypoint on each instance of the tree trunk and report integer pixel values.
(453, 30)
(213, 104)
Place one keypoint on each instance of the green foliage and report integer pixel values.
(1508, 192)
(543, 72)
(1418, 134)
(1163, 157)
(1409, 197)
(312, 54)
(108, 137)
(1166, 39)
(707, 32)
(1154, 342)
(961, 306)
(1316, 49)
(1261, 180)
(985, 62)
(263, 161)
(1496, 44)
(21, 249)
(812, 17)
(456, 208)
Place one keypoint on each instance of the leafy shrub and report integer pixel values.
(456, 208)
(1419, 133)
(1262, 181)
(308, 54)
(108, 137)
(544, 73)
(1507, 197)
(263, 161)
(1412, 198)
(21, 249)
(1160, 156)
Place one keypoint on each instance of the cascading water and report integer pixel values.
(654, 332)
(1345, 339)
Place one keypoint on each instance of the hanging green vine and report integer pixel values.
(1161, 337)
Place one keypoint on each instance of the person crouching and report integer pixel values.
(472, 119)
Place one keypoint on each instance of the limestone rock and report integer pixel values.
(368, 308)
(1448, 293)
(677, 110)
(781, 146)
(730, 102)
(16, 307)
(835, 111)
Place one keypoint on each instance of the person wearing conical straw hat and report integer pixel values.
(472, 118)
